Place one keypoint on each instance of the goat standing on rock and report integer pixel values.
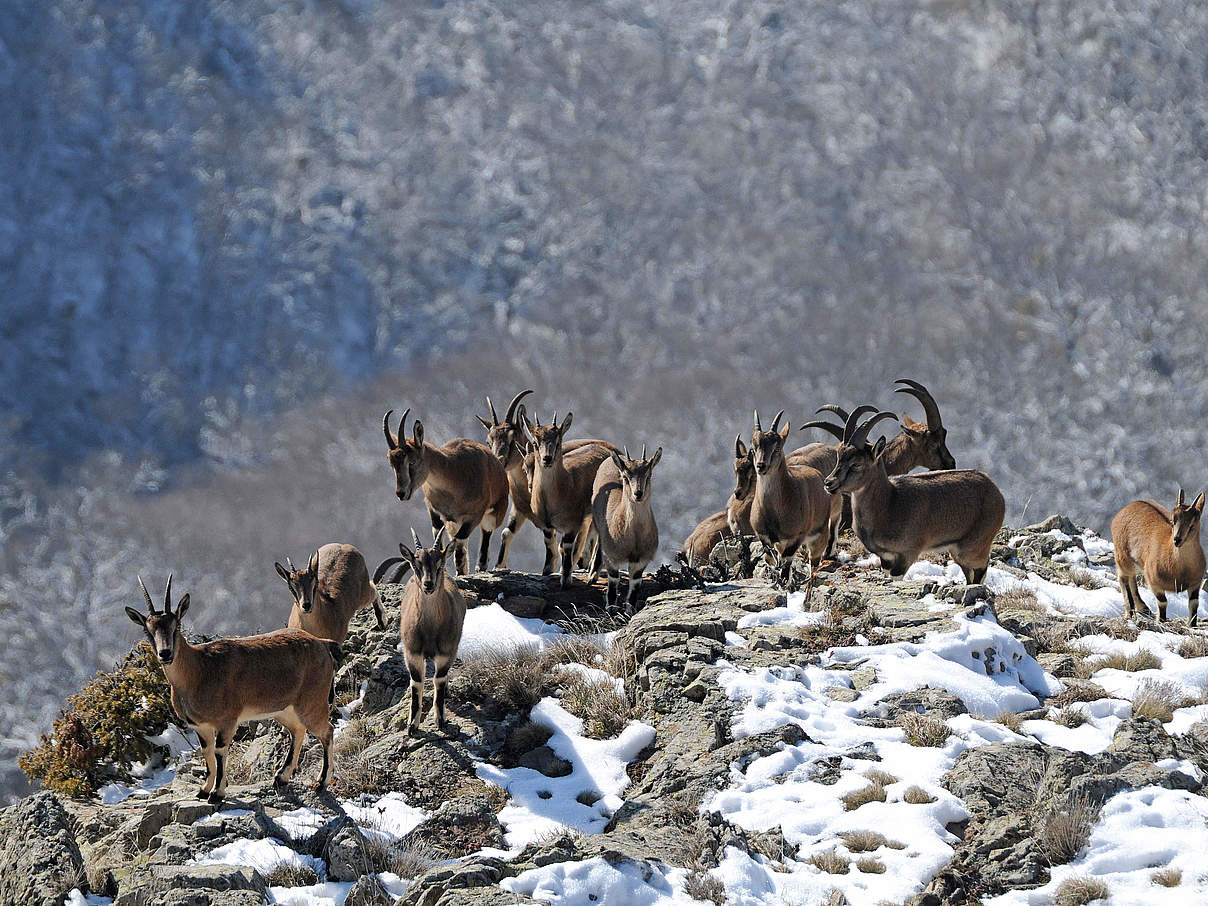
(329, 591)
(430, 625)
(620, 509)
(900, 518)
(285, 675)
(1164, 547)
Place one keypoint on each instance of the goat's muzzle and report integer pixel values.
(165, 656)
(403, 495)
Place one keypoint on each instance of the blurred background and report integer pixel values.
(233, 234)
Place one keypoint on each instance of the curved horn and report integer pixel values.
(1181, 498)
(849, 426)
(415, 538)
(146, 595)
(737, 446)
(643, 450)
(758, 427)
(383, 566)
(390, 438)
(776, 421)
(510, 415)
(829, 427)
(626, 449)
(919, 392)
(832, 407)
(860, 436)
(491, 406)
(290, 564)
(168, 594)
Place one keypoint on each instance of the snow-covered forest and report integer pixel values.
(232, 235)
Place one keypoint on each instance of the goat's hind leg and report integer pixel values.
(297, 732)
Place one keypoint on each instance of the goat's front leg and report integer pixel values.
(569, 540)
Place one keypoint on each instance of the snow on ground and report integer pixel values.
(76, 897)
(593, 882)
(263, 855)
(151, 774)
(792, 614)
(1188, 675)
(1138, 832)
(490, 628)
(388, 817)
(540, 805)
(1102, 717)
(979, 662)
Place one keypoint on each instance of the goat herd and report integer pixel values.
(593, 501)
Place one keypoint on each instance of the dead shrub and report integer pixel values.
(514, 678)
(867, 841)
(1064, 832)
(1158, 700)
(290, 874)
(871, 866)
(1167, 877)
(874, 792)
(923, 729)
(702, 886)
(916, 795)
(830, 862)
(1068, 717)
(603, 710)
(1018, 599)
(1194, 646)
(1079, 891)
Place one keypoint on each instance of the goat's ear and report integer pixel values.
(784, 432)
(616, 461)
(878, 448)
(654, 460)
(565, 423)
(281, 571)
(1198, 506)
(408, 555)
(181, 606)
(136, 617)
(486, 424)
(417, 432)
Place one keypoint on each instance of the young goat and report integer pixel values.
(285, 675)
(433, 613)
(464, 485)
(620, 509)
(900, 518)
(1165, 548)
(735, 519)
(329, 591)
(507, 441)
(561, 487)
(790, 507)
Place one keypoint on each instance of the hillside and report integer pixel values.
(232, 235)
(917, 741)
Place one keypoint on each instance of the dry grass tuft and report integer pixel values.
(871, 866)
(1194, 646)
(1067, 717)
(916, 795)
(1087, 578)
(515, 678)
(1080, 692)
(1018, 599)
(835, 897)
(923, 729)
(574, 649)
(702, 886)
(876, 775)
(830, 862)
(1167, 877)
(408, 858)
(1012, 720)
(867, 841)
(1120, 628)
(603, 710)
(287, 874)
(1079, 892)
(1064, 833)
(874, 792)
(1158, 700)
(1138, 660)
(526, 737)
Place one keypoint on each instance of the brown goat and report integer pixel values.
(790, 507)
(329, 591)
(464, 485)
(284, 675)
(735, 519)
(507, 441)
(433, 615)
(902, 517)
(561, 486)
(1164, 547)
(624, 521)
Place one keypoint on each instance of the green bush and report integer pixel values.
(104, 729)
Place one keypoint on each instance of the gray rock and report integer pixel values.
(191, 885)
(543, 760)
(928, 700)
(346, 854)
(38, 850)
(460, 827)
(368, 891)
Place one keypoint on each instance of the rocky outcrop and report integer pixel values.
(38, 850)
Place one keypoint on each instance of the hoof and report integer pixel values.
(214, 798)
(280, 781)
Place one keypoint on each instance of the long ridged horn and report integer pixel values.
(829, 427)
(859, 437)
(290, 564)
(390, 438)
(643, 451)
(919, 392)
(146, 595)
(737, 446)
(776, 421)
(494, 417)
(758, 427)
(511, 413)
(1182, 497)
(168, 595)
(835, 408)
(415, 538)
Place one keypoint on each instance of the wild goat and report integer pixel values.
(790, 507)
(1165, 548)
(735, 519)
(620, 510)
(433, 614)
(285, 675)
(464, 485)
(507, 441)
(561, 488)
(899, 518)
(329, 591)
